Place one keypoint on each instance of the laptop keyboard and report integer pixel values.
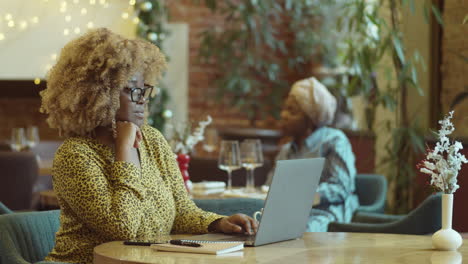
(239, 238)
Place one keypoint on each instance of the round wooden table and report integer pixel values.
(311, 248)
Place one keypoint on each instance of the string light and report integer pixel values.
(37, 81)
(23, 24)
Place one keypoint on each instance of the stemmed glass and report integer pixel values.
(32, 136)
(252, 158)
(18, 140)
(229, 159)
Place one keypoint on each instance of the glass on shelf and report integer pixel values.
(252, 158)
(229, 159)
(18, 139)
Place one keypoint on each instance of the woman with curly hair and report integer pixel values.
(115, 177)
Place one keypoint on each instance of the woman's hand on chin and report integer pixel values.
(128, 135)
(238, 223)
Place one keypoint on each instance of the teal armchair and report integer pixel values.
(425, 219)
(27, 237)
(372, 192)
(4, 209)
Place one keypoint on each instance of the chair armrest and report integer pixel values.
(365, 217)
(423, 220)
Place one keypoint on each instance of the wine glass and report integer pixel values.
(229, 158)
(18, 140)
(211, 140)
(252, 157)
(32, 136)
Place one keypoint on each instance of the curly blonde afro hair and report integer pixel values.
(83, 87)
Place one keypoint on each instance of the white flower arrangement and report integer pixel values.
(183, 142)
(444, 162)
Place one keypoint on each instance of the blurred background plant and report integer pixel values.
(262, 47)
(373, 33)
(151, 23)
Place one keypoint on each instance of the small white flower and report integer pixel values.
(444, 162)
(184, 142)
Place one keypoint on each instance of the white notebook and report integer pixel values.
(207, 247)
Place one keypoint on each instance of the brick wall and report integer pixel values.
(202, 93)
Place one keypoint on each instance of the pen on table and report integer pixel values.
(184, 243)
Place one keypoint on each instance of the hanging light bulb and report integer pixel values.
(77, 30)
(66, 32)
(125, 15)
(53, 56)
(37, 81)
(90, 24)
(8, 17)
(35, 20)
(11, 23)
(68, 18)
(146, 6)
(136, 20)
(132, 2)
(84, 11)
(2, 36)
(92, 2)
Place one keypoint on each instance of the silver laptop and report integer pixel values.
(287, 206)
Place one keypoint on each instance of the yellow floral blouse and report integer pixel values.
(103, 200)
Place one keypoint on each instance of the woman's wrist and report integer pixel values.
(122, 153)
(214, 226)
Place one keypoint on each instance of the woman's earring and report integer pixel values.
(114, 128)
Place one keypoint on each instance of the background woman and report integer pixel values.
(308, 109)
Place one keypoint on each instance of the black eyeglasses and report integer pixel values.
(137, 93)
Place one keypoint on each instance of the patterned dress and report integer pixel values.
(103, 200)
(337, 183)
